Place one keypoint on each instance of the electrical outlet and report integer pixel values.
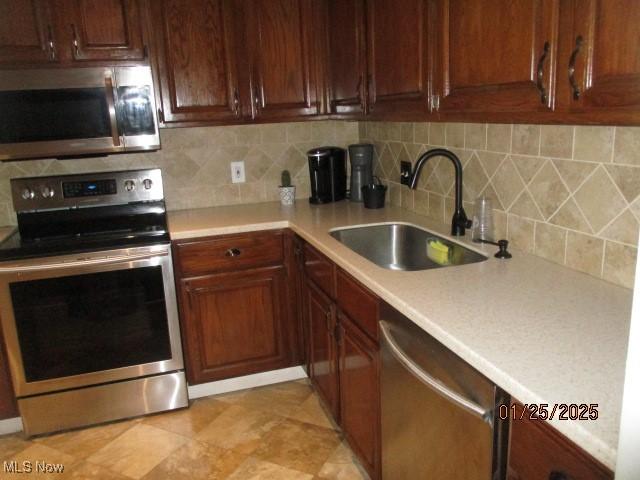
(237, 172)
(405, 173)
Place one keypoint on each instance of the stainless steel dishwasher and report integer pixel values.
(439, 415)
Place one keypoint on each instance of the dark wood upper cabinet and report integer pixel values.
(347, 56)
(496, 57)
(27, 33)
(398, 40)
(104, 30)
(599, 65)
(283, 56)
(64, 32)
(197, 60)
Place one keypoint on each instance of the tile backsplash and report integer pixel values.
(568, 194)
(195, 162)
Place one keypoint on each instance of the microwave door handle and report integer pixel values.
(111, 104)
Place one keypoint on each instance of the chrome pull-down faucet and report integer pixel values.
(459, 222)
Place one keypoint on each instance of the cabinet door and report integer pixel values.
(197, 60)
(347, 56)
(235, 324)
(26, 32)
(104, 30)
(399, 59)
(600, 67)
(284, 53)
(538, 451)
(496, 57)
(360, 393)
(322, 346)
(7, 398)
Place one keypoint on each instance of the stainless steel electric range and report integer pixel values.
(88, 302)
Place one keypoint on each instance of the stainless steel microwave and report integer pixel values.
(47, 113)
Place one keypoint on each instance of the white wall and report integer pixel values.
(628, 467)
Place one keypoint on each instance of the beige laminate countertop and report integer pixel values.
(542, 332)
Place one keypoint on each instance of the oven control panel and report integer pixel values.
(92, 189)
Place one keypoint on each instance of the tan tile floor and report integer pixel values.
(279, 432)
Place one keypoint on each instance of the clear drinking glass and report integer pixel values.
(482, 224)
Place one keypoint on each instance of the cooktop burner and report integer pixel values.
(88, 212)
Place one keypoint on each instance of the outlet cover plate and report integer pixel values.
(237, 172)
(405, 172)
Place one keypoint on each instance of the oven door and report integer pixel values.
(87, 319)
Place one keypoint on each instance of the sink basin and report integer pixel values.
(399, 246)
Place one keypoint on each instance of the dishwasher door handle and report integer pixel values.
(464, 403)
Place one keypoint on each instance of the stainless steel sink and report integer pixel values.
(399, 246)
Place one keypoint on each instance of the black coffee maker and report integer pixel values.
(328, 173)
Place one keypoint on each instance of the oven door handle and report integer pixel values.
(83, 262)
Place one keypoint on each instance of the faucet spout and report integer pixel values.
(459, 222)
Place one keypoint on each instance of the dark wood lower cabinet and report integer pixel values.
(323, 369)
(539, 452)
(235, 324)
(359, 392)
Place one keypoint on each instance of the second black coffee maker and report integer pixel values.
(328, 174)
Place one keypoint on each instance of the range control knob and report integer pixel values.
(148, 183)
(28, 194)
(129, 185)
(47, 192)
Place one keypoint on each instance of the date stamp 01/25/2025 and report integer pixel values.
(544, 411)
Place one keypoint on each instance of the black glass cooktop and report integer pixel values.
(15, 248)
(62, 232)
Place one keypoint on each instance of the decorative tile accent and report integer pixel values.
(548, 190)
(558, 185)
(599, 199)
(525, 139)
(556, 141)
(550, 242)
(619, 263)
(594, 144)
(584, 253)
(627, 145)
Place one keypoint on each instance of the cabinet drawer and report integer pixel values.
(538, 450)
(358, 302)
(232, 252)
(320, 269)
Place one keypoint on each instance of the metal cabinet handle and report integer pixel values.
(572, 68)
(555, 475)
(75, 43)
(160, 115)
(232, 252)
(236, 101)
(257, 98)
(111, 104)
(464, 403)
(540, 72)
(50, 44)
